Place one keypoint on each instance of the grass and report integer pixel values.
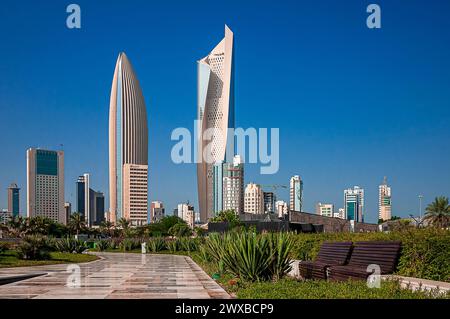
(320, 289)
(10, 259)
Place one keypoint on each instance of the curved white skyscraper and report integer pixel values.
(128, 146)
(215, 116)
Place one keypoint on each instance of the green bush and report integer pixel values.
(34, 247)
(425, 252)
(129, 244)
(249, 256)
(156, 244)
(172, 246)
(102, 245)
(4, 246)
(187, 244)
(70, 245)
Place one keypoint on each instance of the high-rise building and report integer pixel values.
(68, 210)
(97, 202)
(5, 217)
(296, 194)
(269, 202)
(233, 185)
(128, 147)
(339, 214)
(45, 184)
(354, 204)
(253, 199)
(90, 204)
(384, 201)
(281, 208)
(156, 211)
(217, 187)
(83, 207)
(14, 200)
(325, 210)
(186, 212)
(215, 118)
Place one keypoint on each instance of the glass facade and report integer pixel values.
(46, 162)
(15, 202)
(80, 198)
(217, 187)
(351, 210)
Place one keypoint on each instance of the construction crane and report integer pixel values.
(275, 187)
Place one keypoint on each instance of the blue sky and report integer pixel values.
(352, 104)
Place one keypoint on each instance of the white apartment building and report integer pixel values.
(254, 199)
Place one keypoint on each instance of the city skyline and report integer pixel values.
(410, 133)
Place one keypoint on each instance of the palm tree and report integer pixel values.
(438, 212)
(76, 223)
(40, 225)
(124, 224)
(106, 227)
(17, 226)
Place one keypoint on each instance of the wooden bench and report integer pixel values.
(330, 253)
(385, 254)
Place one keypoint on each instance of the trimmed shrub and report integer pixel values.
(4, 246)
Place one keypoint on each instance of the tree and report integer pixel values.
(180, 230)
(76, 223)
(40, 225)
(228, 216)
(17, 227)
(438, 212)
(106, 227)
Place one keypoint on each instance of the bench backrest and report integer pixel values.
(382, 253)
(335, 252)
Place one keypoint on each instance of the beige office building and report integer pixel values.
(254, 199)
(45, 184)
(128, 147)
(325, 210)
(384, 201)
(215, 115)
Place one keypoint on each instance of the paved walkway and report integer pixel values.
(117, 275)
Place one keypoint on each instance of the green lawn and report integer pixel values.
(10, 259)
(320, 289)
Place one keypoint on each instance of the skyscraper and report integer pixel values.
(90, 204)
(354, 204)
(45, 184)
(296, 194)
(215, 118)
(254, 199)
(128, 147)
(233, 185)
(384, 201)
(13, 200)
(83, 207)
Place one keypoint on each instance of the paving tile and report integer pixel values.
(118, 276)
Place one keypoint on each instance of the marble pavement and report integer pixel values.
(117, 275)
